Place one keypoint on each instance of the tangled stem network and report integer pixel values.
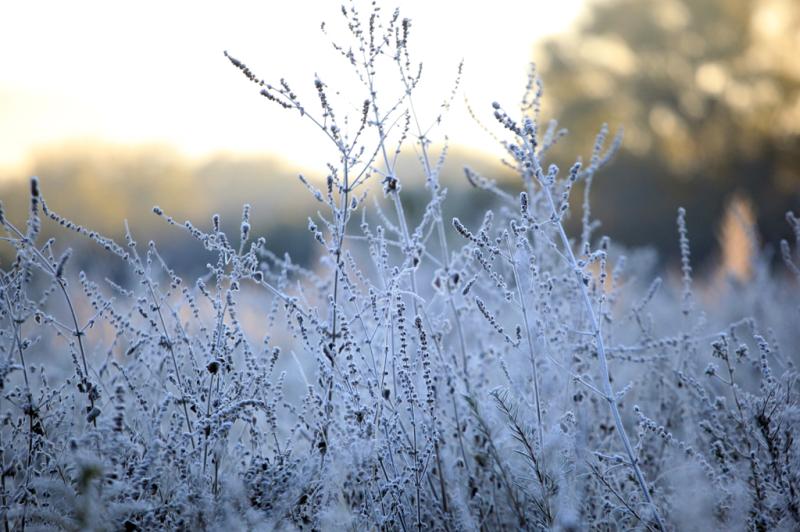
(489, 372)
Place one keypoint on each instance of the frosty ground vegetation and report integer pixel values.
(426, 373)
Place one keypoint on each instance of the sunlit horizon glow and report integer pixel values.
(154, 73)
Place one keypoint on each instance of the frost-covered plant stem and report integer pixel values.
(395, 194)
(16, 324)
(601, 350)
(45, 265)
(339, 242)
(442, 238)
(169, 344)
(529, 339)
(534, 372)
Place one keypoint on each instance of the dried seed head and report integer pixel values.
(35, 187)
(62, 263)
(93, 414)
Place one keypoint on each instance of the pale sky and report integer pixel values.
(153, 71)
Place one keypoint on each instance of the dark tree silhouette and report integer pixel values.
(708, 92)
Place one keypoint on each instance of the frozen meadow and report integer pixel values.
(425, 373)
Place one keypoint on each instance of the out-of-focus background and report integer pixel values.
(121, 107)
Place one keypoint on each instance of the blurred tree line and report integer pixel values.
(708, 92)
(99, 186)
